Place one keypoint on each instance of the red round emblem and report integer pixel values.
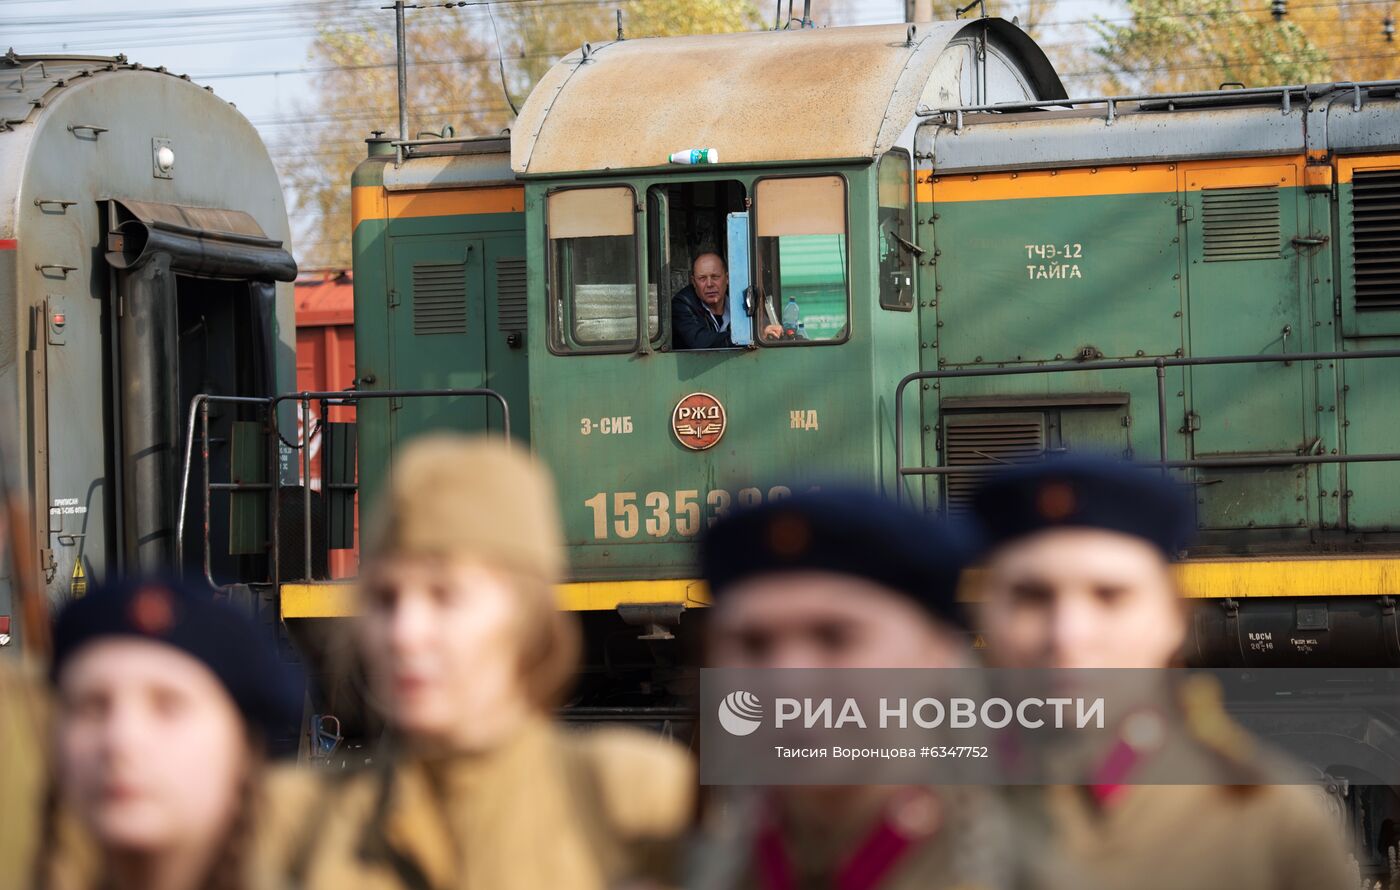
(698, 421)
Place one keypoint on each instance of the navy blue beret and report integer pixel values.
(186, 617)
(1089, 493)
(847, 532)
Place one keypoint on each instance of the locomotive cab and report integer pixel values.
(810, 206)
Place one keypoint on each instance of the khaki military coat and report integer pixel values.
(586, 810)
(1203, 837)
(973, 839)
(23, 773)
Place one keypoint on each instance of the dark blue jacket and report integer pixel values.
(693, 326)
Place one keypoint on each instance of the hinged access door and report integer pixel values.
(1244, 298)
(438, 332)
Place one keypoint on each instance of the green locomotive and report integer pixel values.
(1054, 275)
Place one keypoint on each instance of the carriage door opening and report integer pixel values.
(1244, 297)
(195, 314)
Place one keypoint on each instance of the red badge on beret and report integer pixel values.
(152, 612)
(789, 536)
(1055, 501)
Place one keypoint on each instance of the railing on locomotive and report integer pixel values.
(267, 409)
(1160, 365)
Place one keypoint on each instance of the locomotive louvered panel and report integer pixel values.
(439, 298)
(1375, 218)
(988, 443)
(1241, 224)
(510, 294)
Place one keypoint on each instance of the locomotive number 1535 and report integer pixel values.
(623, 515)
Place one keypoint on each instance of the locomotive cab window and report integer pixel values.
(689, 261)
(801, 262)
(593, 270)
(896, 232)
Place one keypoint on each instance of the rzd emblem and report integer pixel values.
(698, 421)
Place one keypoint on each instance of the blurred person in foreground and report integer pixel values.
(164, 703)
(23, 754)
(467, 654)
(847, 580)
(1077, 575)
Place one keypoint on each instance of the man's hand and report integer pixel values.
(773, 332)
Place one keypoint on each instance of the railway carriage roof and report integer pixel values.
(756, 97)
(28, 82)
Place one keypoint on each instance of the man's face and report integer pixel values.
(711, 282)
(826, 620)
(1080, 598)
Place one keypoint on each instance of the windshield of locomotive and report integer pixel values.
(802, 264)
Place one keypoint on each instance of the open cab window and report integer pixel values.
(896, 235)
(685, 221)
(801, 260)
(593, 270)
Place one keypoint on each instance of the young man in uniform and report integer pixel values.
(846, 580)
(467, 655)
(1077, 575)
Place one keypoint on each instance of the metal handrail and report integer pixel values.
(347, 398)
(1160, 365)
(1110, 103)
(199, 407)
(199, 412)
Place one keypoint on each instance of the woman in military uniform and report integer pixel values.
(1077, 576)
(164, 700)
(467, 655)
(848, 580)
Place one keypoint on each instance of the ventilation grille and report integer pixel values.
(1375, 221)
(510, 293)
(987, 442)
(1241, 224)
(439, 298)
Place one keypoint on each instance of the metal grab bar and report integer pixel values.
(344, 398)
(267, 409)
(1160, 365)
(199, 408)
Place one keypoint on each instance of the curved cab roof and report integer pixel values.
(756, 97)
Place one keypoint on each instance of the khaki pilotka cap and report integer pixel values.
(453, 495)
